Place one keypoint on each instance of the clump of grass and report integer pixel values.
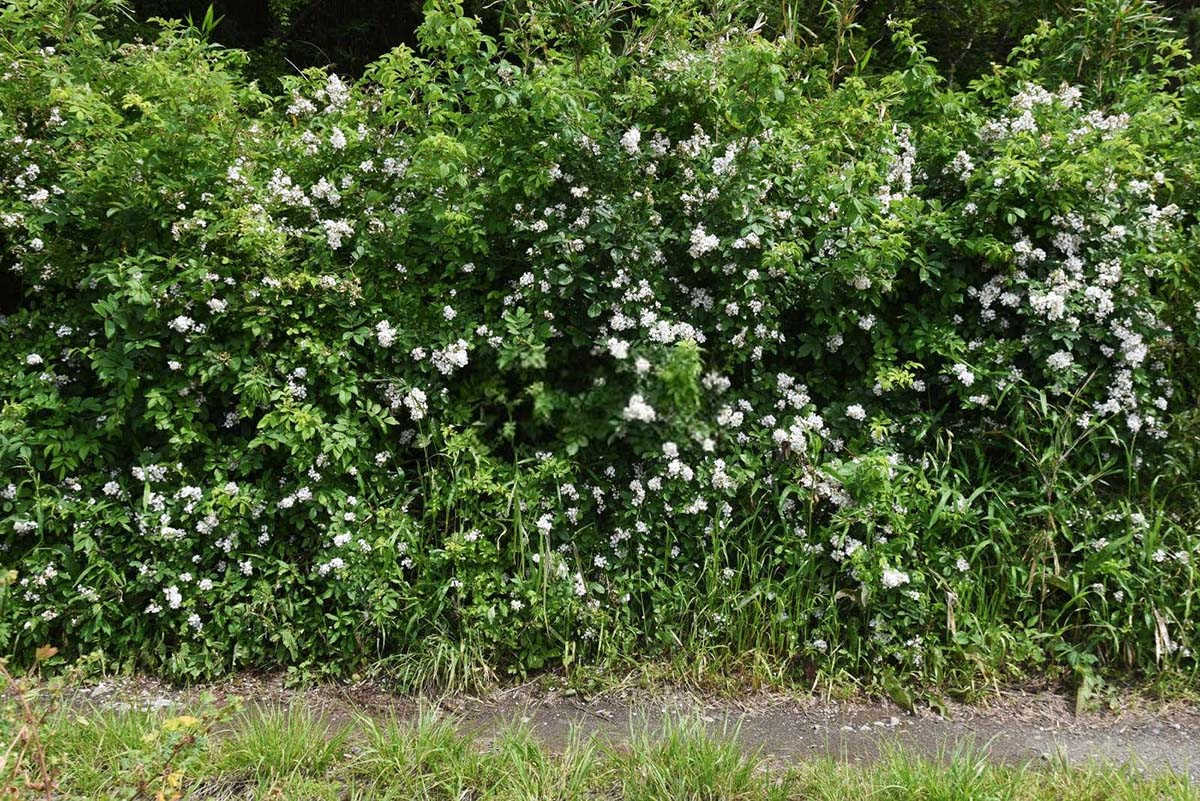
(967, 775)
(275, 743)
(441, 664)
(426, 756)
(90, 750)
(681, 761)
(525, 769)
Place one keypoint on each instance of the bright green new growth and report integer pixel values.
(522, 353)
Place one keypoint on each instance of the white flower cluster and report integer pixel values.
(638, 409)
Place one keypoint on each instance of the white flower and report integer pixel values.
(677, 469)
(337, 139)
(336, 231)
(33, 359)
(1060, 360)
(182, 324)
(336, 563)
(856, 412)
(962, 165)
(416, 403)
(630, 140)
(323, 190)
(702, 242)
(450, 358)
(385, 333)
(337, 92)
(638, 409)
(449, 313)
(728, 417)
(619, 348)
(893, 578)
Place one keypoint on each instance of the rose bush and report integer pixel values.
(513, 354)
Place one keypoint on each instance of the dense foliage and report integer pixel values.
(964, 36)
(515, 353)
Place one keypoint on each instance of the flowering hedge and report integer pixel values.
(510, 355)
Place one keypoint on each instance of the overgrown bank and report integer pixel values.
(506, 357)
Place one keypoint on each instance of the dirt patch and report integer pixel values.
(1016, 727)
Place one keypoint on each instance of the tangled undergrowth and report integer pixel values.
(523, 352)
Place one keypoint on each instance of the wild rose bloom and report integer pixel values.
(892, 578)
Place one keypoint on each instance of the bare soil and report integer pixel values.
(1017, 726)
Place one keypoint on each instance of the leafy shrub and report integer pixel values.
(965, 36)
(509, 355)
